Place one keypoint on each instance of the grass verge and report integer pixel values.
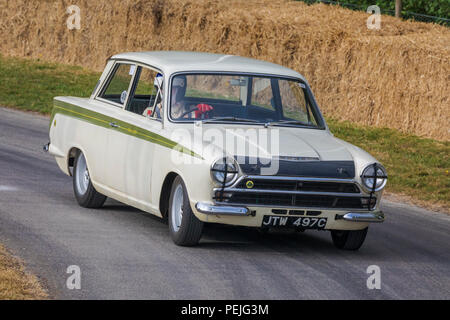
(418, 168)
(32, 84)
(15, 282)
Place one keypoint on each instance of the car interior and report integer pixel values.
(226, 108)
(138, 103)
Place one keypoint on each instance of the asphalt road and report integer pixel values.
(125, 253)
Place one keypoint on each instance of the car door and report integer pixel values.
(113, 98)
(133, 143)
(139, 156)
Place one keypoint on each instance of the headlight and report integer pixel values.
(374, 177)
(224, 171)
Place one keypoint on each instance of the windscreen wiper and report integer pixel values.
(294, 122)
(230, 119)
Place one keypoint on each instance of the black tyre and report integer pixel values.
(184, 227)
(85, 192)
(349, 240)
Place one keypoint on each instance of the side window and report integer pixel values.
(262, 93)
(296, 105)
(117, 88)
(147, 97)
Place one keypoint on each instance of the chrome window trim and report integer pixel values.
(109, 102)
(107, 80)
(141, 65)
(320, 126)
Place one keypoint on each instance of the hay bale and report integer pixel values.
(396, 77)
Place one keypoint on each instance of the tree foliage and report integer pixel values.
(438, 8)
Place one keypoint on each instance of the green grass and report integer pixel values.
(32, 84)
(417, 167)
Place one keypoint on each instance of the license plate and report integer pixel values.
(301, 222)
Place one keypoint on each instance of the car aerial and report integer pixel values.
(208, 138)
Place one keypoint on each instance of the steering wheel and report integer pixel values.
(192, 110)
(187, 112)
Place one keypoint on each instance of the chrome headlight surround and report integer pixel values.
(224, 171)
(374, 177)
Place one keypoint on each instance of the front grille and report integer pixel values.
(265, 184)
(295, 193)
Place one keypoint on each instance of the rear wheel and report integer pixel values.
(349, 240)
(83, 189)
(184, 227)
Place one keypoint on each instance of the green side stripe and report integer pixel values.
(124, 127)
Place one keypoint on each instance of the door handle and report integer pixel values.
(114, 125)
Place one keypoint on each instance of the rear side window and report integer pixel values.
(117, 87)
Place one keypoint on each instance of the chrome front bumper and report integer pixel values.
(225, 210)
(376, 216)
(205, 208)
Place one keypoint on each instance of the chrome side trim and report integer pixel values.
(337, 194)
(376, 216)
(225, 210)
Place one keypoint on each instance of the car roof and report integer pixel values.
(176, 61)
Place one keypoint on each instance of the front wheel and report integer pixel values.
(184, 227)
(349, 240)
(83, 189)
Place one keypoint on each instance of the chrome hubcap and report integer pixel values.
(82, 175)
(177, 208)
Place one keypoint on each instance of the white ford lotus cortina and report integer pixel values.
(208, 138)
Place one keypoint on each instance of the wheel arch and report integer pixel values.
(71, 156)
(165, 193)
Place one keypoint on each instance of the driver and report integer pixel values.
(178, 92)
(180, 108)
